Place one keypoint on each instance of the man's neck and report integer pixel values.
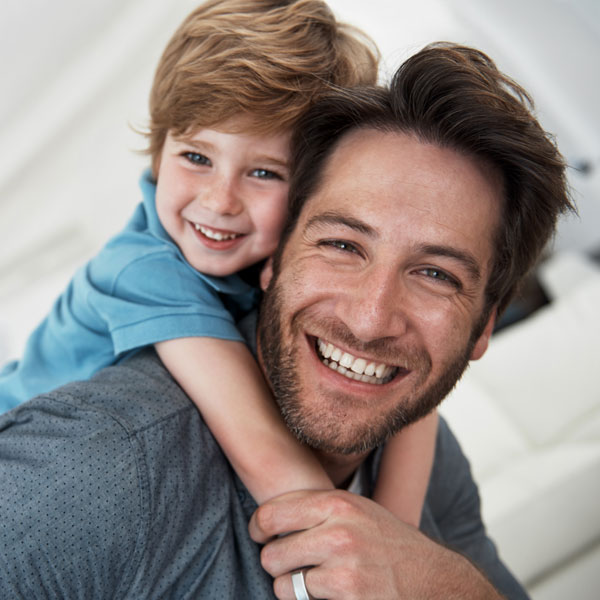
(340, 468)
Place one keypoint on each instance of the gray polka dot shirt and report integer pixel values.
(115, 488)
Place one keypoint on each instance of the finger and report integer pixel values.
(339, 583)
(283, 555)
(284, 586)
(294, 511)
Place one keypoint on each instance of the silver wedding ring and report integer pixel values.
(299, 585)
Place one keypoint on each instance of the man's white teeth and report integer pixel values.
(358, 369)
(215, 235)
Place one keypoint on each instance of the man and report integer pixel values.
(413, 216)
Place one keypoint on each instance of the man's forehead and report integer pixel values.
(390, 178)
(372, 157)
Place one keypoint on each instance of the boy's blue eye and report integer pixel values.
(196, 158)
(265, 174)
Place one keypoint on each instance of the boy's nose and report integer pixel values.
(222, 198)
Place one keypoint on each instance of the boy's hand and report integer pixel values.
(357, 549)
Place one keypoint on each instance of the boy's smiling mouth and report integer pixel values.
(215, 234)
(359, 369)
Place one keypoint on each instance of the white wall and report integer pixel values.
(75, 78)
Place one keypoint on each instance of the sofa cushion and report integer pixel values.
(564, 271)
(487, 435)
(528, 417)
(542, 509)
(542, 372)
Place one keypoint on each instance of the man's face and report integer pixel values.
(370, 321)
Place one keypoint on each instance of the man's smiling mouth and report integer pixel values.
(359, 369)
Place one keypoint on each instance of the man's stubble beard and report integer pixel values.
(324, 428)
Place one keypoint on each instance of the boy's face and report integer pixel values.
(222, 197)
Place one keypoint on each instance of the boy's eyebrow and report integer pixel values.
(273, 160)
(199, 145)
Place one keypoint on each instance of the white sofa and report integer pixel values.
(528, 417)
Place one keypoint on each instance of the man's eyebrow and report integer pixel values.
(336, 218)
(467, 259)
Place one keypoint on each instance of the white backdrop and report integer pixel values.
(75, 79)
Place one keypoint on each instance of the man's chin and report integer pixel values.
(326, 427)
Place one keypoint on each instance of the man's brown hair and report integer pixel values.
(266, 59)
(454, 97)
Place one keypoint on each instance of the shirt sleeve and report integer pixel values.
(157, 297)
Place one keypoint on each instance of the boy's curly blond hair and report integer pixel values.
(266, 59)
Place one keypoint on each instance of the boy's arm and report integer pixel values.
(405, 469)
(225, 383)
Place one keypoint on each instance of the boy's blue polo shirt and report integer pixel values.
(137, 291)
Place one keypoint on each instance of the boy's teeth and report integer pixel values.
(354, 368)
(215, 235)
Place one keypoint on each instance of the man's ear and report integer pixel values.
(266, 274)
(484, 339)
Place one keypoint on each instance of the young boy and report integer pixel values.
(231, 84)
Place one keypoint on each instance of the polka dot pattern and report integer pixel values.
(115, 488)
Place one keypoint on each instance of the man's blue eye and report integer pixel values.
(440, 276)
(437, 274)
(196, 158)
(340, 245)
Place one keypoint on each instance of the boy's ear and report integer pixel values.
(266, 274)
(484, 339)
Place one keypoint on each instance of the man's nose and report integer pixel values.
(222, 196)
(374, 306)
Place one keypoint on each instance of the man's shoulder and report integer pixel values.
(129, 483)
(136, 393)
(78, 480)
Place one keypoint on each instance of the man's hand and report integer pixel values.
(357, 549)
